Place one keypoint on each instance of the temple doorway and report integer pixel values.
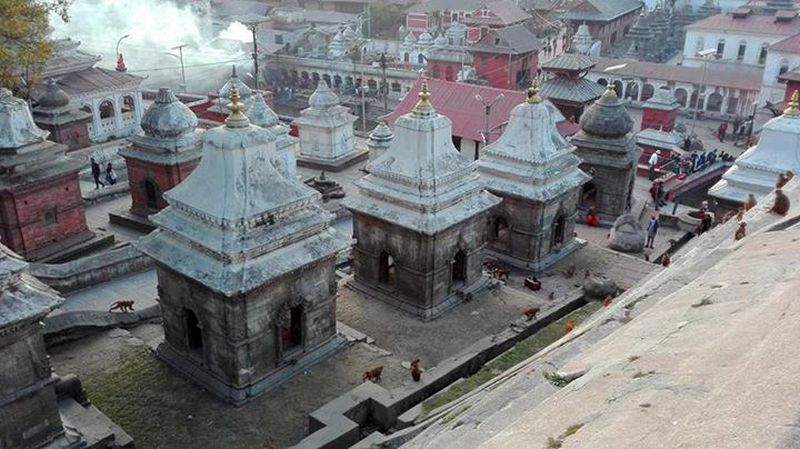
(501, 231)
(151, 194)
(559, 227)
(292, 329)
(589, 194)
(386, 268)
(459, 268)
(194, 333)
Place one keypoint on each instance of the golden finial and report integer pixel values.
(236, 119)
(610, 90)
(424, 104)
(793, 109)
(533, 92)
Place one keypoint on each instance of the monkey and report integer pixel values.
(122, 305)
(530, 313)
(750, 202)
(500, 274)
(607, 302)
(741, 232)
(416, 373)
(782, 203)
(586, 274)
(569, 326)
(740, 214)
(570, 272)
(373, 375)
(551, 296)
(665, 260)
(783, 178)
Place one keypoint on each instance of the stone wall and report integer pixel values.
(164, 178)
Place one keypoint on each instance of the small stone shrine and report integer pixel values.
(606, 146)
(163, 154)
(533, 169)
(29, 406)
(66, 122)
(420, 220)
(756, 170)
(325, 129)
(245, 260)
(658, 127)
(41, 209)
(380, 139)
(260, 114)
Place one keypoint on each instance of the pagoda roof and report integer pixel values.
(580, 90)
(67, 58)
(422, 182)
(601, 10)
(236, 223)
(531, 160)
(570, 62)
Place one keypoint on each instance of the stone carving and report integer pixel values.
(627, 235)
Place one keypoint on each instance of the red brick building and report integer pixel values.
(479, 16)
(162, 155)
(608, 20)
(657, 133)
(41, 209)
(66, 123)
(507, 58)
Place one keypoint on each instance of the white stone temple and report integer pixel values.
(420, 219)
(246, 267)
(535, 171)
(325, 130)
(286, 146)
(380, 139)
(757, 169)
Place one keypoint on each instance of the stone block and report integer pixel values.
(627, 235)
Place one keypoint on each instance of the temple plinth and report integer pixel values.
(421, 218)
(245, 260)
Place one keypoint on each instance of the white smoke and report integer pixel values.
(154, 27)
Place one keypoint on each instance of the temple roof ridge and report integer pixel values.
(17, 128)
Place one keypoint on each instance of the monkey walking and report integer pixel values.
(530, 313)
(741, 232)
(416, 373)
(607, 302)
(569, 326)
(373, 375)
(122, 305)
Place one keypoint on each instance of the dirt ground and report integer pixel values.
(161, 409)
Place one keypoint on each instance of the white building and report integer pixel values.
(756, 171)
(742, 40)
(783, 56)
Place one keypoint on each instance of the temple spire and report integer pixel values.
(610, 90)
(236, 119)
(533, 92)
(793, 109)
(424, 105)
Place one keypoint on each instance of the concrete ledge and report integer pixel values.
(541, 264)
(97, 430)
(106, 193)
(72, 248)
(67, 326)
(93, 269)
(333, 165)
(130, 220)
(337, 424)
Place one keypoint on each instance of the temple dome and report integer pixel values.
(235, 81)
(52, 96)
(260, 113)
(323, 97)
(607, 117)
(440, 40)
(381, 133)
(168, 117)
(425, 38)
(410, 39)
(17, 128)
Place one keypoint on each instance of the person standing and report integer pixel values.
(111, 175)
(652, 230)
(723, 128)
(96, 174)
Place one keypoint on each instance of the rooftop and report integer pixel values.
(601, 10)
(789, 45)
(752, 24)
(95, 79)
(515, 39)
(501, 13)
(447, 5)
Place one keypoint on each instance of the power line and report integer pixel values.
(158, 69)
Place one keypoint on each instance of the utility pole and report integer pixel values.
(487, 109)
(252, 23)
(704, 54)
(183, 68)
(385, 84)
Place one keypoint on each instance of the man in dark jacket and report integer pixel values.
(96, 174)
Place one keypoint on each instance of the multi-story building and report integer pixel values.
(507, 58)
(608, 20)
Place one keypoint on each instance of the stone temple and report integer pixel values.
(41, 210)
(325, 129)
(606, 146)
(260, 114)
(757, 169)
(163, 154)
(420, 221)
(245, 261)
(533, 169)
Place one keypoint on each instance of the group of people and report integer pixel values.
(696, 161)
(110, 176)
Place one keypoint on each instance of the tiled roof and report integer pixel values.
(457, 102)
(755, 24)
(231, 8)
(724, 78)
(578, 90)
(570, 61)
(789, 45)
(504, 13)
(601, 10)
(451, 5)
(790, 76)
(516, 39)
(96, 80)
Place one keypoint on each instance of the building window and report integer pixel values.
(497, 41)
(420, 59)
(501, 230)
(106, 109)
(128, 105)
(742, 50)
(279, 39)
(292, 329)
(50, 217)
(784, 67)
(720, 48)
(559, 228)
(762, 57)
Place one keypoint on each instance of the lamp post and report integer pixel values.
(487, 108)
(252, 22)
(703, 54)
(385, 83)
(116, 52)
(183, 69)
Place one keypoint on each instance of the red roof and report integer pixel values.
(789, 45)
(755, 24)
(457, 102)
(739, 79)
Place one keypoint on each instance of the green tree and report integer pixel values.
(24, 45)
(386, 19)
